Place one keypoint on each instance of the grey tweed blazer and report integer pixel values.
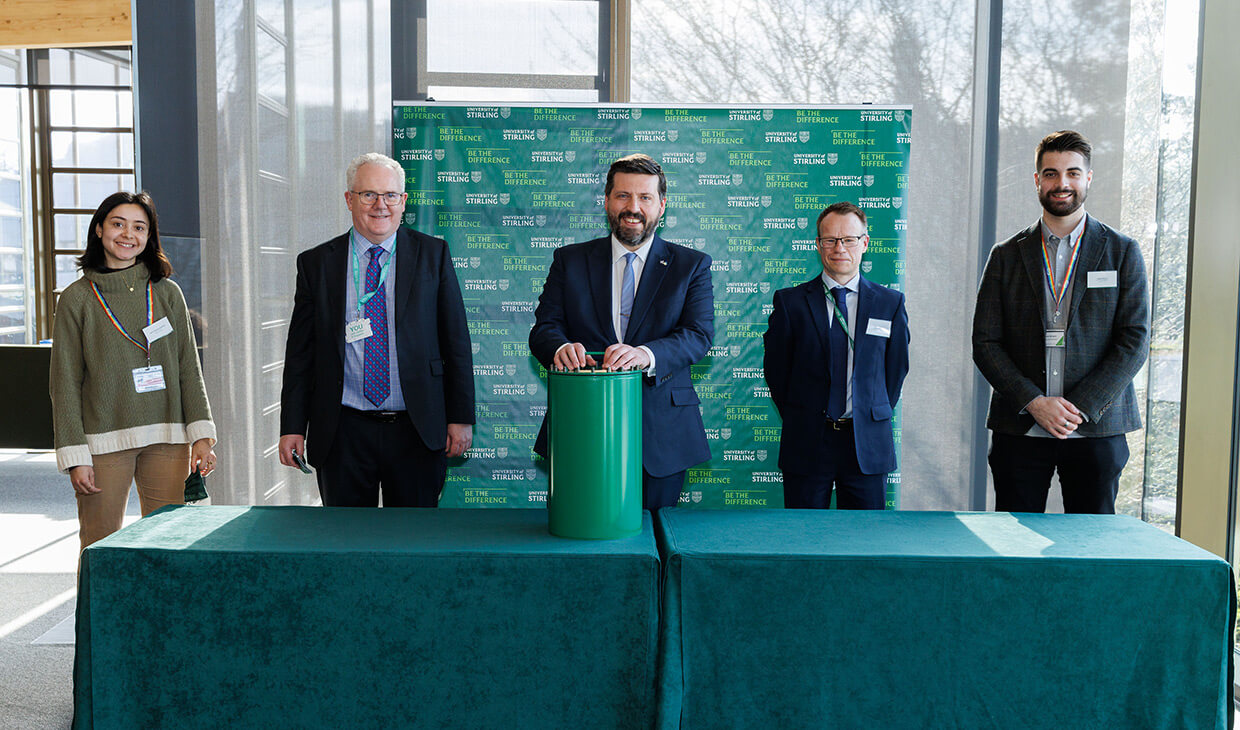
(1107, 337)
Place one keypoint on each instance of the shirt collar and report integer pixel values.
(1074, 236)
(361, 245)
(852, 285)
(618, 250)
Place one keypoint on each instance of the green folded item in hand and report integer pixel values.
(195, 487)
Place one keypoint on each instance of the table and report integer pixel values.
(797, 619)
(347, 618)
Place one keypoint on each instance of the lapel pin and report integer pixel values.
(663, 261)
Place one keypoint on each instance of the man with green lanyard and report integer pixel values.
(835, 357)
(378, 373)
(1061, 327)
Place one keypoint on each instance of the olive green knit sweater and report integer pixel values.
(95, 406)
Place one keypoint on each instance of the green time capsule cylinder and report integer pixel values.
(594, 432)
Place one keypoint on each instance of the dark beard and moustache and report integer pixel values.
(1065, 207)
(620, 234)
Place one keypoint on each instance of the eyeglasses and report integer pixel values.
(848, 242)
(370, 197)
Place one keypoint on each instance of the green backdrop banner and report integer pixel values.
(505, 185)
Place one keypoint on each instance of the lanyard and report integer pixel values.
(839, 317)
(1057, 292)
(150, 318)
(357, 277)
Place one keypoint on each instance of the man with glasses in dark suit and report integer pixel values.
(378, 364)
(1060, 329)
(835, 356)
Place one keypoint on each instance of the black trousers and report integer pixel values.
(853, 490)
(1089, 470)
(380, 453)
(661, 491)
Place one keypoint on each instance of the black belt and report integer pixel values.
(381, 416)
(839, 424)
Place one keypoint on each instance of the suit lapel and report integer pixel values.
(598, 271)
(337, 268)
(1030, 246)
(816, 298)
(658, 261)
(406, 270)
(865, 303)
(1092, 244)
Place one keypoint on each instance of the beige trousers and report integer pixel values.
(159, 470)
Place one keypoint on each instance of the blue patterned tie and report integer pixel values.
(838, 340)
(376, 383)
(628, 287)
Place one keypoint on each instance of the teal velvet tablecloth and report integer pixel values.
(800, 619)
(212, 617)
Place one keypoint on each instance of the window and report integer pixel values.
(70, 114)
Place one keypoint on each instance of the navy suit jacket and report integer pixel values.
(673, 314)
(1108, 335)
(797, 364)
(432, 342)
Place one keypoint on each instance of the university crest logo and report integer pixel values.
(504, 284)
(510, 369)
(541, 134)
(725, 433)
(475, 175)
(673, 135)
(504, 198)
(737, 178)
(832, 158)
(540, 220)
(505, 112)
(700, 157)
(803, 135)
(475, 262)
(570, 155)
(765, 287)
(802, 223)
(768, 115)
(868, 180)
(439, 155)
(766, 201)
(502, 452)
(867, 266)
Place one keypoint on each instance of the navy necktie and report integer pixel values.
(838, 341)
(376, 381)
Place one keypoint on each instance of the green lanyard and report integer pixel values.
(357, 276)
(839, 317)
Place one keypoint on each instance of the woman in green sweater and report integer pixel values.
(129, 404)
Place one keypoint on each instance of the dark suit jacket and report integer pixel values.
(673, 315)
(797, 363)
(432, 342)
(1107, 339)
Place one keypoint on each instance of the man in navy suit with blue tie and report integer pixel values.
(644, 303)
(836, 353)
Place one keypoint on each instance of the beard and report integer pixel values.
(1062, 208)
(621, 233)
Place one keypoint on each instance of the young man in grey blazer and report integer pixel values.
(1060, 329)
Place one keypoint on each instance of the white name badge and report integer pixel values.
(1054, 338)
(1102, 280)
(358, 329)
(879, 328)
(146, 380)
(159, 329)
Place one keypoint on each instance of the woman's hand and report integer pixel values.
(201, 457)
(83, 480)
